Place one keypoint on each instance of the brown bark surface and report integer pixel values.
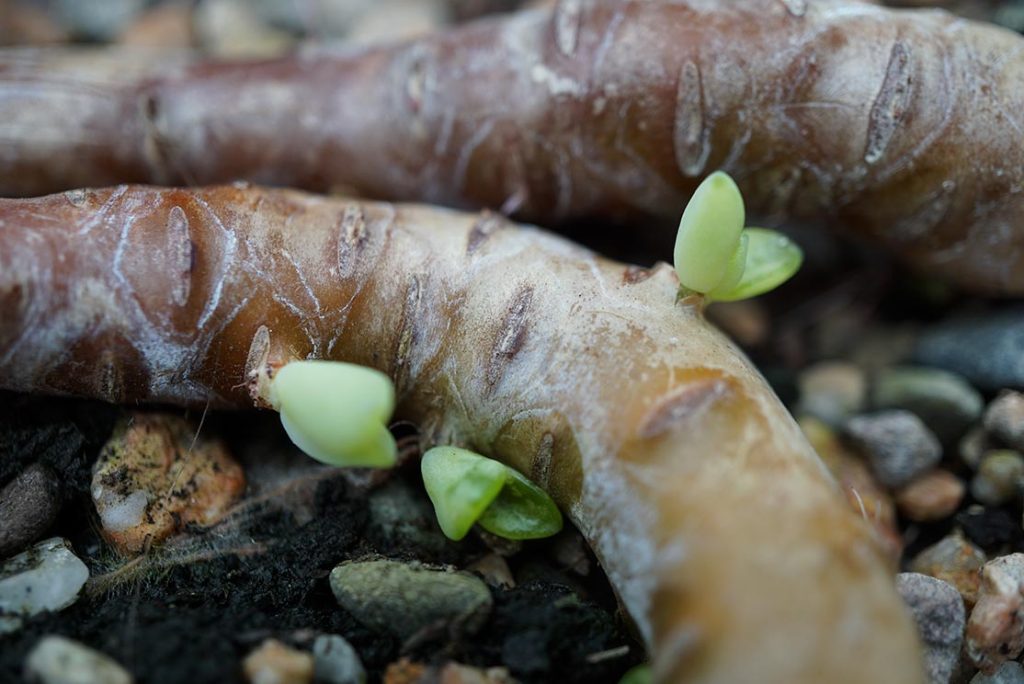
(720, 529)
(901, 126)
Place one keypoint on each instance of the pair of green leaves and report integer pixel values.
(719, 258)
(338, 413)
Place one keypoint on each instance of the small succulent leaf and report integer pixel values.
(337, 412)
(521, 511)
(772, 259)
(709, 233)
(461, 485)
(641, 674)
(737, 266)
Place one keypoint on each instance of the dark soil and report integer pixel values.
(191, 611)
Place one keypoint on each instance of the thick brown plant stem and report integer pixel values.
(718, 526)
(901, 126)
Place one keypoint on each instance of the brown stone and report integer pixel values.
(154, 476)
(275, 663)
(995, 630)
(933, 496)
(956, 561)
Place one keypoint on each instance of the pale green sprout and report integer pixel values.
(717, 257)
(641, 674)
(468, 488)
(337, 412)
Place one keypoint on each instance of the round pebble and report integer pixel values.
(1004, 419)
(404, 598)
(336, 662)
(938, 611)
(57, 660)
(1008, 673)
(276, 663)
(28, 506)
(995, 631)
(46, 578)
(999, 479)
(897, 444)
(832, 391)
(983, 349)
(954, 560)
(933, 496)
(946, 403)
(973, 446)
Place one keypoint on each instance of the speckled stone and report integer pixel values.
(1008, 673)
(57, 660)
(404, 598)
(984, 349)
(28, 506)
(995, 630)
(1000, 478)
(938, 611)
(897, 444)
(955, 560)
(1004, 418)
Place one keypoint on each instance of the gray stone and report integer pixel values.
(897, 444)
(1004, 418)
(57, 660)
(405, 598)
(99, 21)
(944, 401)
(1009, 673)
(47, 577)
(832, 391)
(1000, 478)
(984, 349)
(28, 506)
(939, 613)
(336, 662)
(973, 446)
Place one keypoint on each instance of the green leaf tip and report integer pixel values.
(772, 259)
(717, 257)
(337, 412)
(641, 674)
(709, 233)
(468, 488)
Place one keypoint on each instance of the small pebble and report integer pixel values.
(96, 21)
(57, 660)
(336, 662)
(832, 391)
(954, 560)
(153, 477)
(973, 446)
(1004, 419)
(946, 403)
(229, 29)
(995, 630)
(999, 479)
(494, 570)
(932, 496)
(405, 598)
(897, 444)
(983, 349)
(1009, 673)
(938, 611)
(28, 506)
(46, 577)
(275, 663)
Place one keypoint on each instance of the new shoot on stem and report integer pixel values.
(468, 488)
(338, 413)
(715, 256)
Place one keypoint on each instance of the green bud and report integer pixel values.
(772, 259)
(336, 412)
(641, 674)
(466, 488)
(709, 233)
